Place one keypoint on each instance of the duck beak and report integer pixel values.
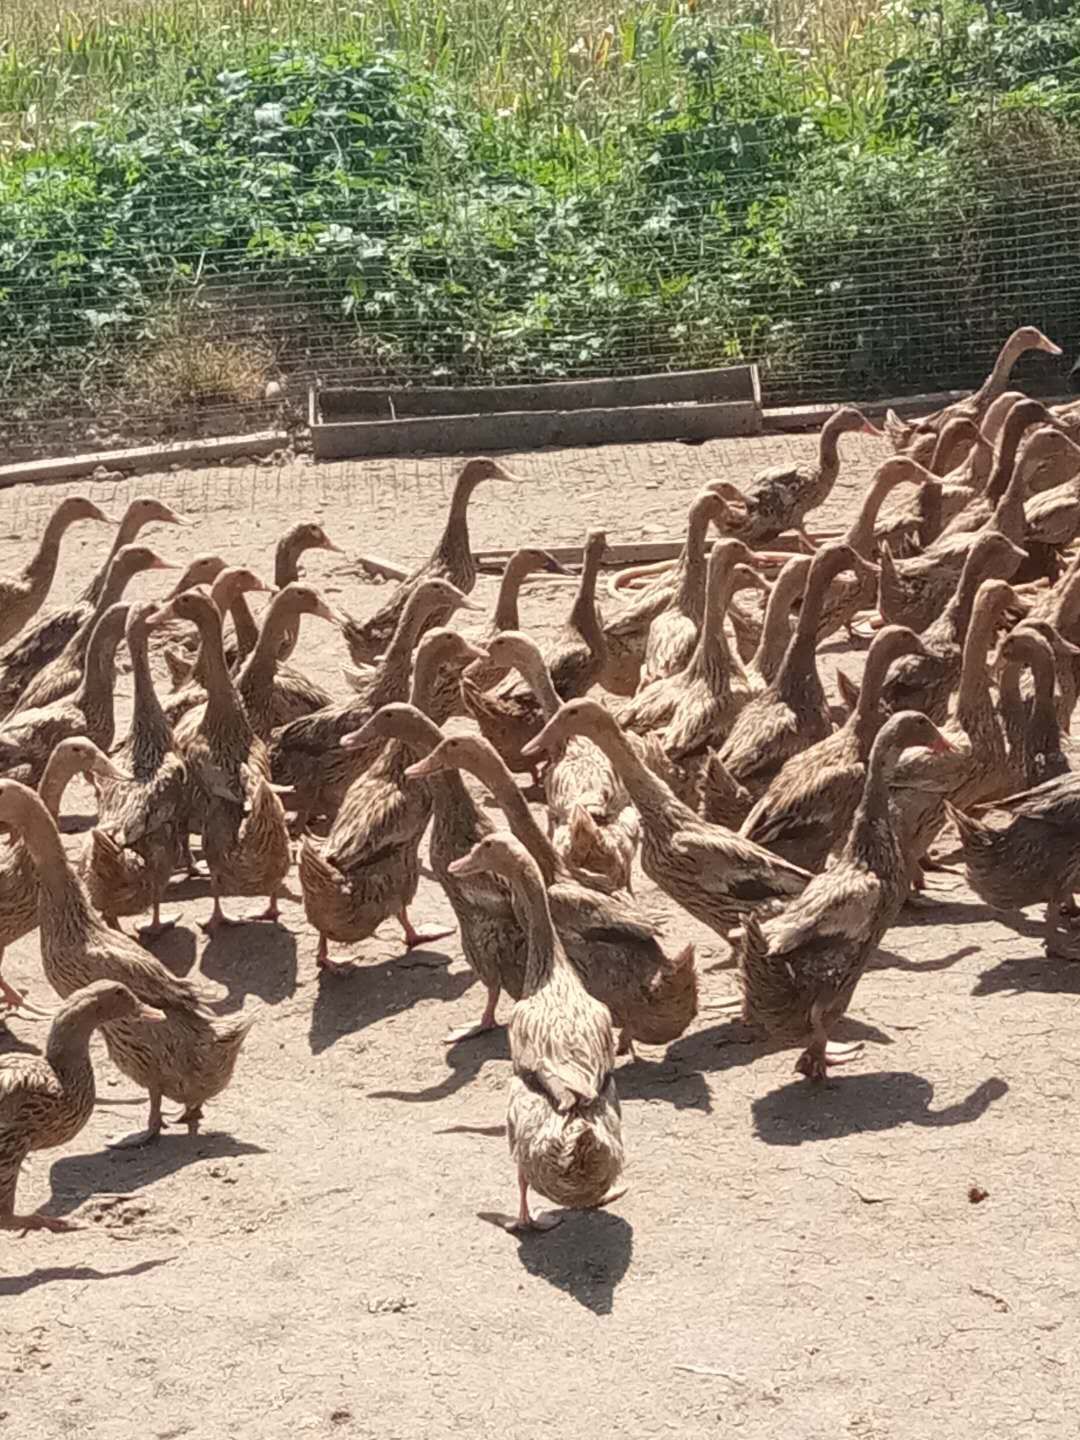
(173, 519)
(941, 746)
(151, 1014)
(158, 617)
(463, 865)
(323, 611)
(329, 545)
(355, 739)
(105, 767)
(1048, 345)
(159, 564)
(870, 429)
(555, 567)
(422, 769)
(474, 652)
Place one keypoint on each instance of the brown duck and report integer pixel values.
(23, 595)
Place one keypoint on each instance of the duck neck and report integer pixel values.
(1008, 514)
(690, 597)
(860, 536)
(533, 914)
(654, 800)
(538, 677)
(247, 632)
(798, 669)
(518, 815)
(96, 687)
(149, 727)
(583, 614)
(873, 820)
(775, 627)
(55, 779)
(261, 664)
(223, 704)
(1043, 710)
(125, 534)
(829, 445)
(995, 383)
(398, 657)
(41, 571)
(455, 547)
(1005, 463)
(973, 695)
(506, 602)
(56, 878)
(286, 562)
(712, 659)
(68, 1046)
(866, 719)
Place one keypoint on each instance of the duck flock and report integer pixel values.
(686, 731)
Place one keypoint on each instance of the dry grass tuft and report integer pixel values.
(195, 372)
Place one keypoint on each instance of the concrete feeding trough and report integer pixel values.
(353, 421)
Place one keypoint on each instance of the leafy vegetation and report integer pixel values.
(195, 201)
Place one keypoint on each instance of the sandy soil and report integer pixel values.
(790, 1261)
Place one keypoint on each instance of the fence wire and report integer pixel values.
(203, 227)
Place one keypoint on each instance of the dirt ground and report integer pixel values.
(789, 1261)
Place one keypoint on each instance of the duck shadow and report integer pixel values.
(257, 959)
(12, 1044)
(1040, 974)
(801, 1112)
(349, 1002)
(731, 1044)
(13, 1285)
(78, 1178)
(955, 913)
(667, 1079)
(465, 1060)
(890, 960)
(586, 1256)
(177, 949)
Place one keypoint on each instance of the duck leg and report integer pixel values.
(333, 967)
(821, 1053)
(218, 919)
(157, 925)
(154, 1123)
(272, 912)
(15, 1003)
(414, 937)
(9, 1220)
(523, 1221)
(486, 1022)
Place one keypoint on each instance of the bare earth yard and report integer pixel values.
(790, 1262)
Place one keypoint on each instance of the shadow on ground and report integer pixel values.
(350, 1002)
(77, 1178)
(801, 1112)
(586, 1256)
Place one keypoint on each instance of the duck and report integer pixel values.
(921, 435)
(32, 650)
(792, 712)
(1032, 726)
(510, 714)
(787, 590)
(563, 1120)
(244, 835)
(673, 633)
(1025, 850)
(18, 874)
(368, 867)
(227, 591)
(844, 599)
(275, 694)
(1052, 517)
(627, 634)
(926, 682)
(307, 754)
(189, 1057)
(780, 498)
(798, 969)
(975, 767)
(62, 674)
(141, 832)
(529, 560)
(710, 871)
(703, 698)
(915, 591)
(28, 738)
(1066, 655)
(615, 949)
(45, 1100)
(808, 808)
(591, 822)
(174, 639)
(308, 535)
(452, 560)
(22, 595)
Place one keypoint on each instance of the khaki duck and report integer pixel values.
(798, 970)
(29, 738)
(920, 436)
(484, 674)
(307, 753)
(510, 715)
(275, 694)
(174, 639)
(1066, 656)
(43, 641)
(711, 872)
(788, 589)
(615, 949)
(845, 598)
(1025, 850)
(926, 682)
(627, 635)
(141, 834)
(563, 1120)
(293, 544)
(245, 839)
(673, 633)
(452, 560)
(368, 868)
(807, 810)
(23, 595)
(227, 591)
(63, 673)
(911, 527)
(704, 697)
(1052, 517)
(46, 1100)
(792, 712)
(975, 768)
(781, 497)
(1032, 725)
(18, 874)
(591, 822)
(191, 1057)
